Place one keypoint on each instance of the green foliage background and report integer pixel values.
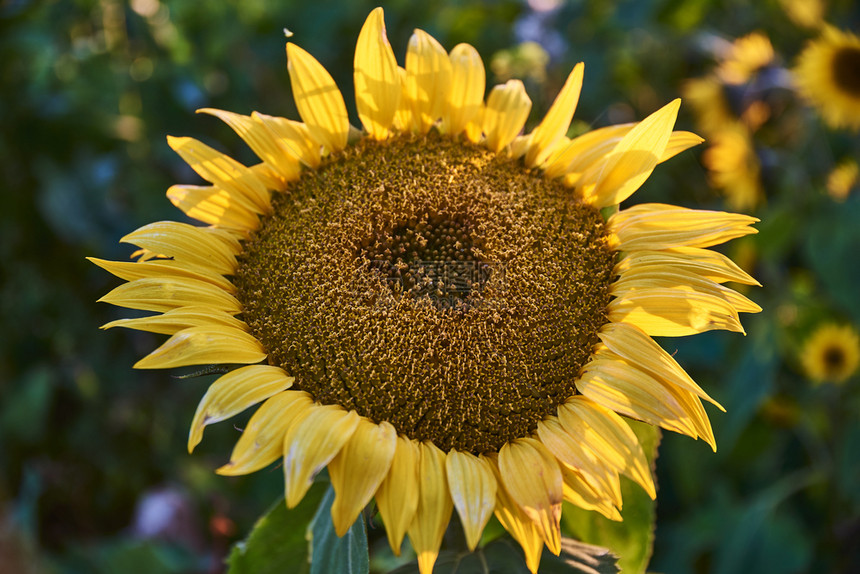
(90, 89)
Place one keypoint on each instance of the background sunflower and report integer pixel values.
(89, 451)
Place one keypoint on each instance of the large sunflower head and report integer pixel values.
(436, 310)
(828, 75)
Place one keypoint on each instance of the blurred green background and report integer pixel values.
(94, 476)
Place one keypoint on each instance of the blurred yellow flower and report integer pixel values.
(745, 57)
(706, 97)
(828, 76)
(832, 353)
(733, 166)
(806, 13)
(842, 179)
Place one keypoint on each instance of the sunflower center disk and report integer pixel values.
(846, 70)
(430, 284)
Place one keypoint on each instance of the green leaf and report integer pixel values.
(278, 541)
(633, 539)
(346, 555)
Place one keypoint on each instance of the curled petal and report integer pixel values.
(233, 393)
(507, 110)
(204, 346)
(517, 523)
(311, 443)
(466, 96)
(531, 475)
(215, 206)
(162, 268)
(262, 442)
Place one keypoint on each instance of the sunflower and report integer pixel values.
(436, 310)
(733, 166)
(832, 353)
(842, 179)
(828, 75)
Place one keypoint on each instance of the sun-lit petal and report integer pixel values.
(132, 270)
(517, 523)
(466, 95)
(222, 171)
(428, 79)
(186, 244)
(294, 137)
(507, 110)
(555, 124)
(178, 319)
(166, 293)
(318, 99)
(377, 81)
(212, 205)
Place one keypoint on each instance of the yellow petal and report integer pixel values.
(132, 270)
(515, 521)
(608, 436)
(178, 319)
(213, 205)
(703, 262)
(295, 137)
(648, 276)
(166, 293)
(311, 443)
(428, 78)
(403, 116)
(678, 142)
(651, 226)
(531, 476)
(377, 81)
(621, 387)
(579, 492)
(507, 110)
(222, 171)
(473, 490)
(555, 124)
(185, 243)
(631, 343)
(233, 393)
(269, 177)
(397, 497)
(261, 141)
(672, 312)
(466, 95)
(358, 470)
(262, 442)
(434, 507)
(585, 150)
(570, 451)
(632, 160)
(204, 346)
(318, 99)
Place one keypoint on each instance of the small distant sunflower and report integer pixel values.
(832, 353)
(435, 309)
(746, 57)
(842, 179)
(828, 75)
